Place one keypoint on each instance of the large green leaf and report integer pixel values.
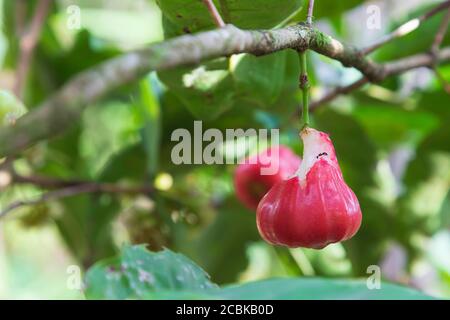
(317, 289)
(228, 236)
(332, 8)
(355, 151)
(119, 127)
(427, 183)
(85, 226)
(11, 108)
(86, 52)
(389, 125)
(149, 113)
(189, 16)
(207, 90)
(136, 272)
(260, 79)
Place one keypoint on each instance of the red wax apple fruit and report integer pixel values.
(258, 173)
(313, 208)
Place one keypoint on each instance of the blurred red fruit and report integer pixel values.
(254, 177)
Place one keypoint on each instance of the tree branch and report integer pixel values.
(309, 17)
(67, 188)
(65, 107)
(337, 92)
(214, 13)
(391, 68)
(439, 37)
(406, 28)
(28, 42)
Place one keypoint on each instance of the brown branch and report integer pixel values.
(64, 108)
(337, 92)
(28, 43)
(309, 17)
(442, 80)
(67, 188)
(439, 37)
(406, 28)
(52, 183)
(44, 182)
(391, 68)
(20, 12)
(214, 13)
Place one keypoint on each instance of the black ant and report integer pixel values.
(321, 154)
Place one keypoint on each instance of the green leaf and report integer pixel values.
(129, 163)
(427, 183)
(136, 272)
(228, 236)
(427, 178)
(86, 52)
(207, 90)
(389, 126)
(318, 289)
(189, 16)
(105, 280)
(119, 129)
(150, 114)
(333, 8)
(11, 108)
(86, 228)
(259, 79)
(355, 151)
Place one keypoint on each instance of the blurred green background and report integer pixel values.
(392, 141)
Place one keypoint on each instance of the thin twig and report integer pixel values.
(401, 31)
(391, 68)
(309, 17)
(304, 86)
(53, 183)
(442, 80)
(71, 188)
(20, 15)
(214, 13)
(303, 79)
(45, 182)
(28, 43)
(439, 37)
(337, 92)
(406, 28)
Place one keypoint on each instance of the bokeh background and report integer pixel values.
(392, 140)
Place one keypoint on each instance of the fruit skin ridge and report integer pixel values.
(251, 185)
(315, 207)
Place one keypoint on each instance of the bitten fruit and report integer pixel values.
(313, 208)
(258, 173)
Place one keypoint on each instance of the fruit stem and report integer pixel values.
(304, 86)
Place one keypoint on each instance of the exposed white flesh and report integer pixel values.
(315, 147)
